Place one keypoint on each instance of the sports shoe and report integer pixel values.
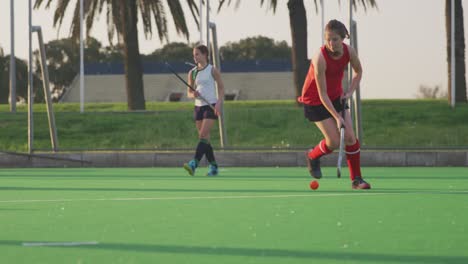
(190, 167)
(359, 183)
(314, 166)
(212, 170)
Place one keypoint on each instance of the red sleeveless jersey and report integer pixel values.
(333, 74)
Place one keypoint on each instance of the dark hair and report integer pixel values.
(204, 50)
(337, 27)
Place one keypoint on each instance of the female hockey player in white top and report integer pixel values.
(204, 78)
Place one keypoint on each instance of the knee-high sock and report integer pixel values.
(320, 150)
(210, 155)
(202, 148)
(353, 157)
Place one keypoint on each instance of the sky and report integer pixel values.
(401, 44)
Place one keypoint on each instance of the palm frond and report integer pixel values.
(111, 27)
(273, 4)
(194, 10)
(221, 3)
(160, 19)
(60, 11)
(38, 3)
(75, 24)
(178, 17)
(316, 6)
(365, 3)
(145, 10)
(92, 12)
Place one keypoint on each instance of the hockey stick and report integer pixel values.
(341, 152)
(188, 85)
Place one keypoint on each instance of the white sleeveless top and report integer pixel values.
(205, 85)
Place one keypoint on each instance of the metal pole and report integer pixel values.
(350, 18)
(45, 81)
(452, 46)
(12, 59)
(323, 21)
(82, 95)
(201, 21)
(217, 64)
(30, 82)
(208, 23)
(357, 102)
(350, 72)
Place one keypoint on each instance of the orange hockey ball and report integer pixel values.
(314, 185)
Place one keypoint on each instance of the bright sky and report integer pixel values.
(401, 45)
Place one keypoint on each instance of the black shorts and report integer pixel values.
(317, 113)
(204, 112)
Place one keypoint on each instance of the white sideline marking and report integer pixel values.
(195, 197)
(60, 244)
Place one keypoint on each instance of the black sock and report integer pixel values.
(202, 148)
(210, 155)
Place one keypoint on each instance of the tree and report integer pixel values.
(112, 53)
(63, 60)
(460, 78)
(298, 24)
(427, 92)
(122, 18)
(255, 48)
(4, 79)
(175, 51)
(21, 80)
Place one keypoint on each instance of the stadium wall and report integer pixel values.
(233, 159)
(246, 80)
(158, 87)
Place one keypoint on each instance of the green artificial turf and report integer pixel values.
(245, 215)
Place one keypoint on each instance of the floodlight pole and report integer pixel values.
(208, 23)
(200, 21)
(350, 69)
(82, 95)
(12, 59)
(323, 21)
(357, 102)
(30, 82)
(452, 50)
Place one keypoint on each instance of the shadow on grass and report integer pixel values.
(21, 188)
(177, 177)
(17, 209)
(231, 175)
(214, 251)
(418, 178)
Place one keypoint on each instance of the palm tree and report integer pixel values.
(460, 81)
(122, 18)
(298, 24)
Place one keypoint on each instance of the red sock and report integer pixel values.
(320, 150)
(353, 157)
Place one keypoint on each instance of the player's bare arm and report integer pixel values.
(190, 92)
(220, 85)
(357, 71)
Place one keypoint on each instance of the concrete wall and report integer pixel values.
(233, 159)
(249, 86)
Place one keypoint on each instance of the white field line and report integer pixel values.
(58, 244)
(194, 197)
